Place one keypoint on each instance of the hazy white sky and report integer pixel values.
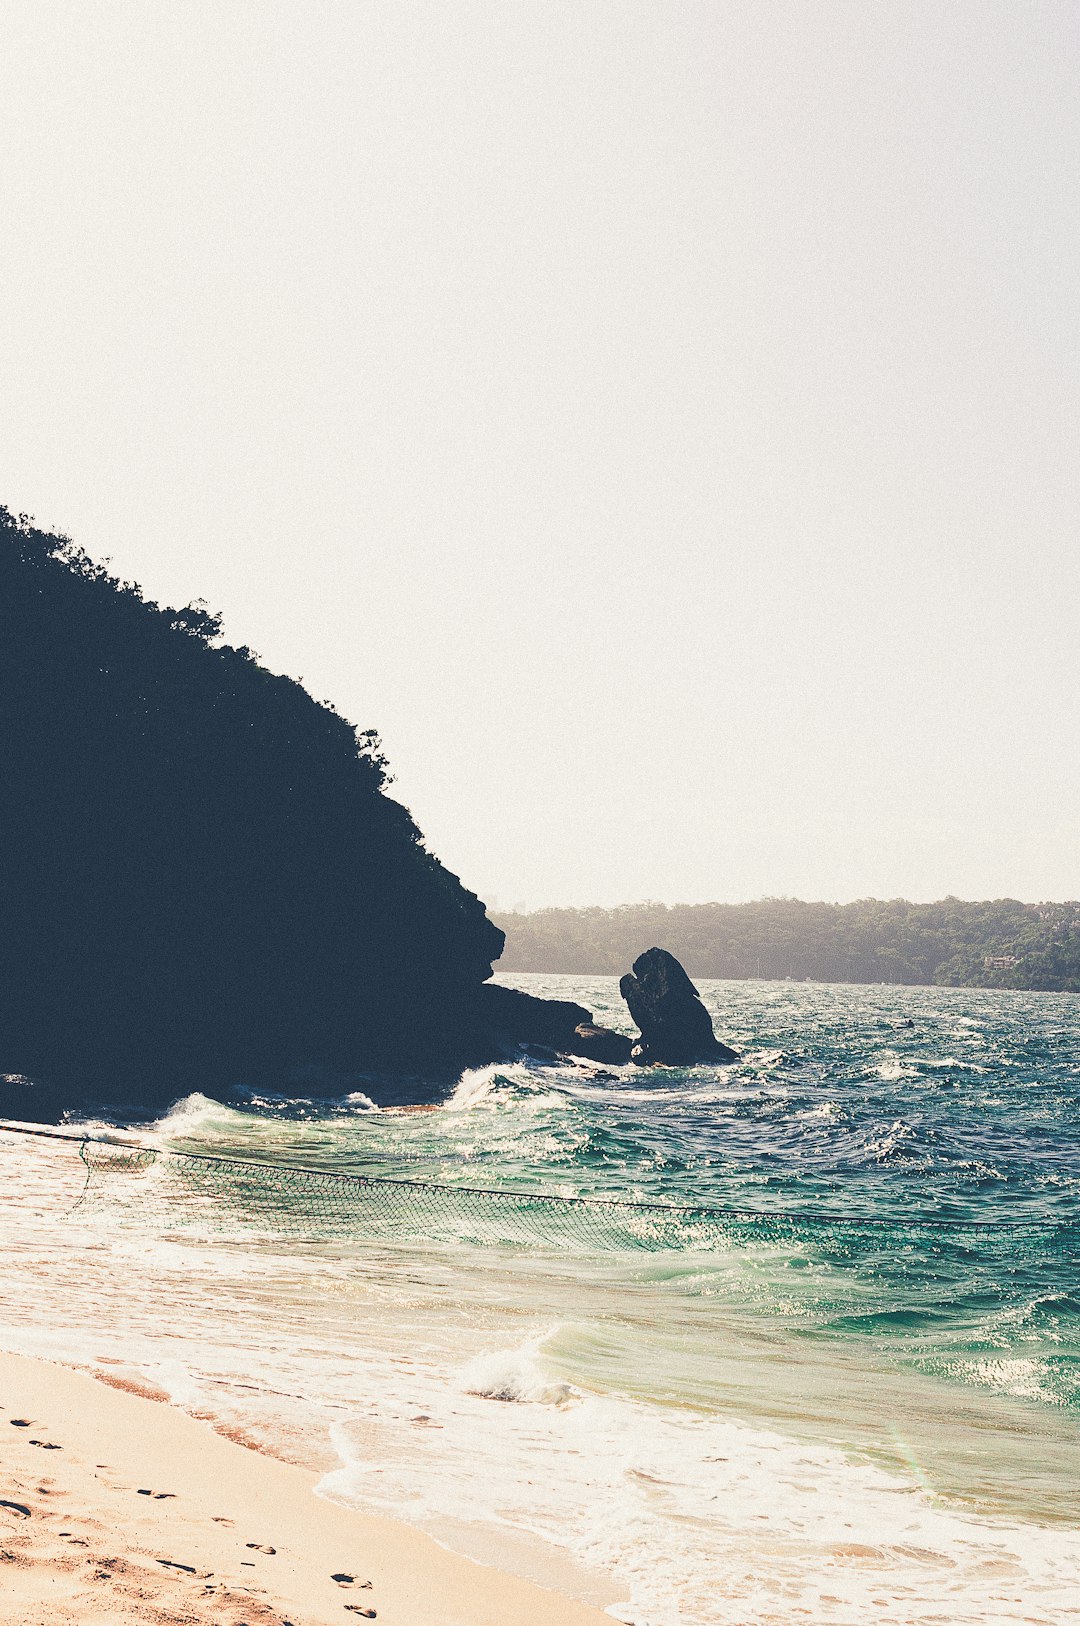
(660, 420)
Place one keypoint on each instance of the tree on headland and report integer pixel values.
(201, 872)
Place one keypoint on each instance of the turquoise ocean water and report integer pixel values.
(868, 1408)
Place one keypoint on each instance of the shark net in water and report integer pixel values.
(166, 1189)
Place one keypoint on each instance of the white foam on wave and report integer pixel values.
(497, 1085)
(825, 1111)
(758, 1059)
(357, 1098)
(892, 1069)
(477, 1086)
(950, 1061)
(887, 1142)
(700, 1520)
(195, 1114)
(515, 1375)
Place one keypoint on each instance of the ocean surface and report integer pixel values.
(863, 1405)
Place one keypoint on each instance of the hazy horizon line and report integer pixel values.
(495, 908)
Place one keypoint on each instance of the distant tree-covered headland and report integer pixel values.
(201, 873)
(1001, 944)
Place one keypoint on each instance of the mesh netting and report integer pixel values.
(197, 1189)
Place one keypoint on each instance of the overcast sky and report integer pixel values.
(659, 420)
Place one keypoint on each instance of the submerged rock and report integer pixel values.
(676, 1029)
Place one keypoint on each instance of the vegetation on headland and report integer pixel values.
(999, 944)
(200, 868)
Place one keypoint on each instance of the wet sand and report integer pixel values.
(116, 1508)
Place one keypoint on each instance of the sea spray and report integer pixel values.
(516, 1375)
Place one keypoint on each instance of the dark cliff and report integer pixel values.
(202, 878)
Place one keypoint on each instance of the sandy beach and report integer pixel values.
(115, 1507)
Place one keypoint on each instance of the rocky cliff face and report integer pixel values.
(202, 879)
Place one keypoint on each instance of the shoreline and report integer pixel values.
(120, 1507)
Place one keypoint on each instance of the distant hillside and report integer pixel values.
(1003, 944)
(202, 878)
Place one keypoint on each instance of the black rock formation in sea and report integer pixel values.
(676, 1029)
(513, 1018)
(203, 882)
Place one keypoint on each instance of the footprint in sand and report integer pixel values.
(355, 1609)
(257, 1547)
(47, 1445)
(16, 1507)
(343, 1579)
(159, 1496)
(21, 1422)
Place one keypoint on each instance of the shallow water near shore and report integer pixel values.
(799, 1421)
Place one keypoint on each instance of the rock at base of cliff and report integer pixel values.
(513, 1018)
(676, 1029)
(601, 1044)
(24, 1100)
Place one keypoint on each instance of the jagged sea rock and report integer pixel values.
(676, 1029)
(513, 1018)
